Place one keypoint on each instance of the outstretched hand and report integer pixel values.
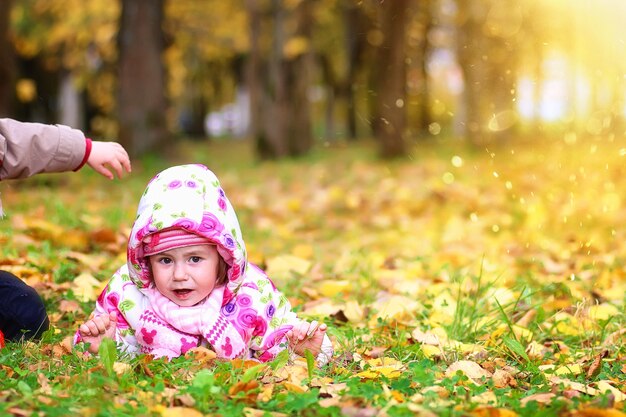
(105, 156)
(97, 329)
(307, 336)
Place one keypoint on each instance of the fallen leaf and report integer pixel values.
(332, 287)
(502, 379)
(379, 367)
(492, 412)
(178, 412)
(604, 386)
(471, 369)
(69, 306)
(596, 365)
(86, 287)
(542, 398)
(283, 266)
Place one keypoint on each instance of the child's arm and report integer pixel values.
(98, 328)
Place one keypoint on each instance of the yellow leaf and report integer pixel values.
(564, 328)
(387, 367)
(86, 287)
(522, 333)
(430, 351)
(603, 311)
(283, 266)
(295, 46)
(298, 389)
(393, 307)
(177, 411)
(303, 251)
(606, 386)
(354, 312)
(379, 372)
(121, 368)
(26, 90)
(332, 287)
(493, 412)
(574, 369)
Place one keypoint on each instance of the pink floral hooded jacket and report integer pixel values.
(246, 318)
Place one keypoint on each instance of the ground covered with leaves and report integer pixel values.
(460, 282)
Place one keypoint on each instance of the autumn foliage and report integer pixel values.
(457, 282)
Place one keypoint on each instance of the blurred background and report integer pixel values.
(288, 75)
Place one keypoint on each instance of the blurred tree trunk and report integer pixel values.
(7, 63)
(391, 79)
(356, 27)
(425, 17)
(280, 119)
(487, 59)
(141, 102)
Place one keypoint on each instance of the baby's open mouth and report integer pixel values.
(182, 292)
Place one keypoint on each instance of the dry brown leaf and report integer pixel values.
(201, 354)
(432, 337)
(596, 365)
(527, 318)
(502, 379)
(614, 337)
(247, 388)
(19, 412)
(542, 398)
(471, 369)
(69, 306)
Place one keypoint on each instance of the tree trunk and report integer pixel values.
(280, 111)
(391, 79)
(141, 104)
(355, 30)
(7, 63)
(426, 17)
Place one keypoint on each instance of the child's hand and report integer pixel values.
(110, 154)
(307, 336)
(98, 328)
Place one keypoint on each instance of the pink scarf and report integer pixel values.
(171, 330)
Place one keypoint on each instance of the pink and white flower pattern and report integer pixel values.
(248, 317)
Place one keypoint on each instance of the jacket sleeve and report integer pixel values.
(274, 319)
(27, 149)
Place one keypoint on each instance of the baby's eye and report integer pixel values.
(165, 261)
(195, 259)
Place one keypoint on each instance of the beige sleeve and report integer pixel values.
(27, 149)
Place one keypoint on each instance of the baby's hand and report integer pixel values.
(98, 328)
(105, 155)
(307, 336)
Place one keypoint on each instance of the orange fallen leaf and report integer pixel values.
(492, 412)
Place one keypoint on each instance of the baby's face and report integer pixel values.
(186, 275)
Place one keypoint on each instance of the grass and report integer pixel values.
(512, 256)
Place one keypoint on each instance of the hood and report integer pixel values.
(188, 197)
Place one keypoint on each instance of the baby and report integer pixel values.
(187, 282)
